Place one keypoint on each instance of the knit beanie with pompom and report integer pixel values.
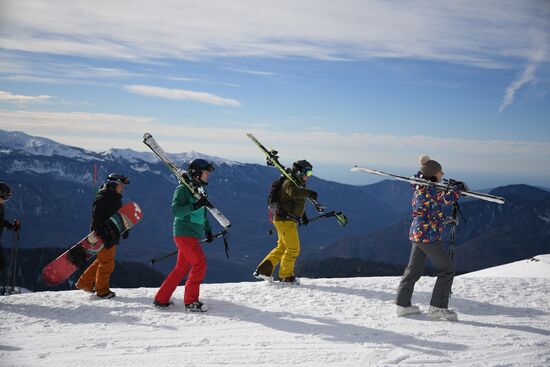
(429, 167)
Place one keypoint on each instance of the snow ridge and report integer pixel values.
(32, 145)
(16, 141)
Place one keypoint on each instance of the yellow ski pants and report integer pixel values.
(288, 247)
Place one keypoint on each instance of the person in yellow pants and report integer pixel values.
(108, 200)
(291, 212)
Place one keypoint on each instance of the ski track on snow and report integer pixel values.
(329, 322)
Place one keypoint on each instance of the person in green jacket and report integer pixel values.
(291, 212)
(190, 222)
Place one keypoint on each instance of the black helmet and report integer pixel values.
(198, 165)
(117, 178)
(302, 168)
(5, 191)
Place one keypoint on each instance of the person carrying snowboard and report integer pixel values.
(425, 234)
(5, 195)
(107, 202)
(290, 213)
(190, 222)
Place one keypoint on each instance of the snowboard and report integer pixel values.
(64, 266)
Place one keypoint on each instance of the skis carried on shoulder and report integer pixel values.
(273, 160)
(183, 177)
(438, 185)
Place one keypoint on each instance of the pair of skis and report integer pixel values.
(439, 186)
(183, 177)
(273, 160)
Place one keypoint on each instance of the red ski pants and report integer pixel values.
(190, 256)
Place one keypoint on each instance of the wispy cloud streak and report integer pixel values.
(181, 94)
(18, 98)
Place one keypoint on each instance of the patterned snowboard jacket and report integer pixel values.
(428, 217)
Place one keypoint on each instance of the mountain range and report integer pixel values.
(54, 186)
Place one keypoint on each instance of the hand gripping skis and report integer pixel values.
(184, 179)
(273, 160)
(439, 186)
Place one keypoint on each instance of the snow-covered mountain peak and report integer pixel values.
(130, 155)
(189, 156)
(33, 145)
(16, 141)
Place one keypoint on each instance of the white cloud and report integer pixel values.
(181, 94)
(486, 34)
(103, 131)
(475, 33)
(527, 76)
(254, 72)
(18, 98)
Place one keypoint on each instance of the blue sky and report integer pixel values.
(374, 83)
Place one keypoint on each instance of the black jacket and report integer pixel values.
(106, 203)
(3, 223)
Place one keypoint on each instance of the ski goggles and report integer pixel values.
(116, 178)
(308, 173)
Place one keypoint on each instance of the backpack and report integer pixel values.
(273, 198)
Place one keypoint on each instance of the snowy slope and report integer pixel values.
(323, 322)
(535, 267)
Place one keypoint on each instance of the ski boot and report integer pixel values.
(196, 306)
(401, 311)
(436, 313)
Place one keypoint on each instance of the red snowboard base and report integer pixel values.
(62, 267)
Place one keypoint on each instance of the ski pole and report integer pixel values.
(13, 263)
(340, 217)
(16, 239)
(223, 234)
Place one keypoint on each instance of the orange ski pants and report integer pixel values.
(99, 272)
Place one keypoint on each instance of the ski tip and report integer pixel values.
(355, 168)
(146, 136)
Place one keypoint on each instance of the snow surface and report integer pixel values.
(322, 322)
(535, 267)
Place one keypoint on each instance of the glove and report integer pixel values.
(304, 221)
(461, 186)
(110, 236)
(449, 220)
(312, 194)
(209, 236)
(15, 226)
(203, 201)
(126, 234)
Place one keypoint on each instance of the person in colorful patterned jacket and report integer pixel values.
(190, 222)
(425, 234)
